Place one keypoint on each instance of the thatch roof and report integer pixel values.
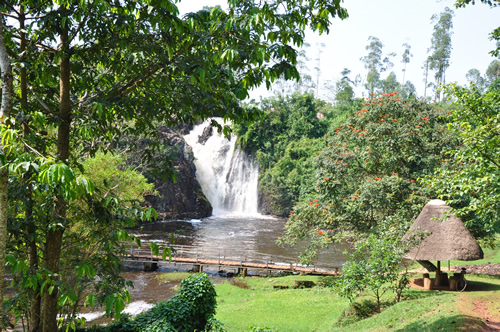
(448, 239)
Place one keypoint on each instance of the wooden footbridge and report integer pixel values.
(239, 261)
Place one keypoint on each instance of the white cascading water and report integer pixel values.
(227, 176)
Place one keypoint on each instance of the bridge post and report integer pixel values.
(242, 271)
(197, 268)
(149, 266)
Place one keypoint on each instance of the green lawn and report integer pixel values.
(319, 309)
(262, 306)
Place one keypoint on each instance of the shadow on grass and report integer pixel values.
(480, 286)
(415, 294)
(452, 323)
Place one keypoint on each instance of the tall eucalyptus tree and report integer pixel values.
(405, 59)
(439, 59)
(375, 63)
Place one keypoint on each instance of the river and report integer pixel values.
(226, 235)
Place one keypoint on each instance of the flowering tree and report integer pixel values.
(369, 171)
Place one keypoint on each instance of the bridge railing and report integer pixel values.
(242, 255)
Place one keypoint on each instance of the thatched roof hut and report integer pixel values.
(448, 239)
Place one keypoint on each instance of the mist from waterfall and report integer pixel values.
(228, 177)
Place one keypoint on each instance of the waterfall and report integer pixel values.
(228, 177)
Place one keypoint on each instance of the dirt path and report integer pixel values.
(478, 308)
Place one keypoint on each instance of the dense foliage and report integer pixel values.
(284, 142)
(91, 252)
(470, 179)
(368, 173)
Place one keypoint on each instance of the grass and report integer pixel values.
(173, 276)
(318, 309)
(262, 306)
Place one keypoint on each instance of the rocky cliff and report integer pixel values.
(182, 198)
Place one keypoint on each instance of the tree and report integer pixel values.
(374, 266)
(408, 90)
(390, 84)
(474, 76)
(425, 67)
(115, 68)
(493, 71)
(368, 174)
(375, 63)
(317, 69)
(406, 58)
(441, 47)
(302, 85)
(470, 179)
(5, 113)
(344, 91)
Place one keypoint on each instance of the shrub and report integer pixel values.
(191, 309)
(373, 267)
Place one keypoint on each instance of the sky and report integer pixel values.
(395, 22)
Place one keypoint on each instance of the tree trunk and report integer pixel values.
(426, 73)
(5, 109)
(35, 306)
(55, 234)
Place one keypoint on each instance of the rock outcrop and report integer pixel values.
(182, 198)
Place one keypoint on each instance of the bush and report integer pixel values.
(328, 281)
(356, 312)
(191, 309)
(373, 267)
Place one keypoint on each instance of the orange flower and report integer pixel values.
(412, 180)
(319, 232)
(378, 179)
(354, 197)
(394, 173)
(326, 179)
(382, 120)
